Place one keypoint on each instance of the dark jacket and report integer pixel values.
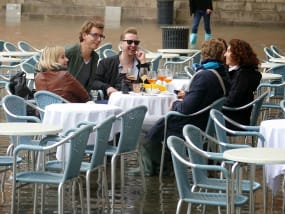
(76, 62)
(108, 75)
(244, 82)
(63, 84)
(200, 5)
(204, 89)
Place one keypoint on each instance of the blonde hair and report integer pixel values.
(49, 57)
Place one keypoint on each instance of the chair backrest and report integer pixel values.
(195, 140)
(269, 53)
(44, 98)
(2, 45)
(131, 126)
(220, 126)
(15, 110)
(109, 53)
(8, 46)
(255, 112)
(277, 51)
(77, 147)
(101, 49)
(178, 153)
(189, 71)
(178, 65)
(196, 57)
(25, 46)
(217, 104)
(155, 63)
(102, 131)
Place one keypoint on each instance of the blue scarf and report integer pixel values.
(207, 64)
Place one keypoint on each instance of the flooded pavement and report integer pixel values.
(159, 198)
(43, 33)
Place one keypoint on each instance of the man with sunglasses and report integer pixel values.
(82, 58)
(112, 71)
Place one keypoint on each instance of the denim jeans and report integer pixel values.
(197, 17)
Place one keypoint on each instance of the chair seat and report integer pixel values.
(111, 150)
(215, 199)
(39, 177)
(220, 184)
(8, 160)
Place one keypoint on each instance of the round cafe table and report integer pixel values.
(157, 104)
(68, 115)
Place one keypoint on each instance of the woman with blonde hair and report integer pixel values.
(54, 77)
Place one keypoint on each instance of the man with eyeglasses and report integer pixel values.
(112, 71)
(82, 57)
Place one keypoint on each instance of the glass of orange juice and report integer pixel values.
(151, 78)
(162, 75)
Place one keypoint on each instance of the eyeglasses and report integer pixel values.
(129, 42)
(96, 36)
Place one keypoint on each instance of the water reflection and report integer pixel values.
(49, 32)
(160, 197)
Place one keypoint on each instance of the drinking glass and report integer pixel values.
(143, 76)
(131, 74)
(151, 78)
(162, 75)
(168, 78)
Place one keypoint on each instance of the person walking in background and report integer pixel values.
(244, 79)
(82, 57)
(200, 8)
(54, 77)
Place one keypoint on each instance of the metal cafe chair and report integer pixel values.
(181, 165)
(195, 140)
(77, 139)
(215, 105)
(44, 98)
(97, 154)
(131, 125)
(26, 46)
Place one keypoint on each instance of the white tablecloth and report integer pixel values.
(68, 115)
(274, 134)
(157, 104)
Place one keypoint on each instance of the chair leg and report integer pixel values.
(122, 179)
(88, 197)
(142, 170)
(3, 186)
(105, 186)
(162, 162)
(113, 180)
(81, 194)
(35, 198)
(60, 198)
(13, 195)
(178, 208)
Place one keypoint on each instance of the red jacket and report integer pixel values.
(62, 83)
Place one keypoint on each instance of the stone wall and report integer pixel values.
(225, 11)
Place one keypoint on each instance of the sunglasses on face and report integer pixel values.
(96, 36)
(129, 42)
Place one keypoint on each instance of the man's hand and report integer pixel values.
(110, 90)
(209, 11)
(141, 56)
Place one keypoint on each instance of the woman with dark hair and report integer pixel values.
(244, 78)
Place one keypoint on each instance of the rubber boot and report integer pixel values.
(193, 40)
(208, 36)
